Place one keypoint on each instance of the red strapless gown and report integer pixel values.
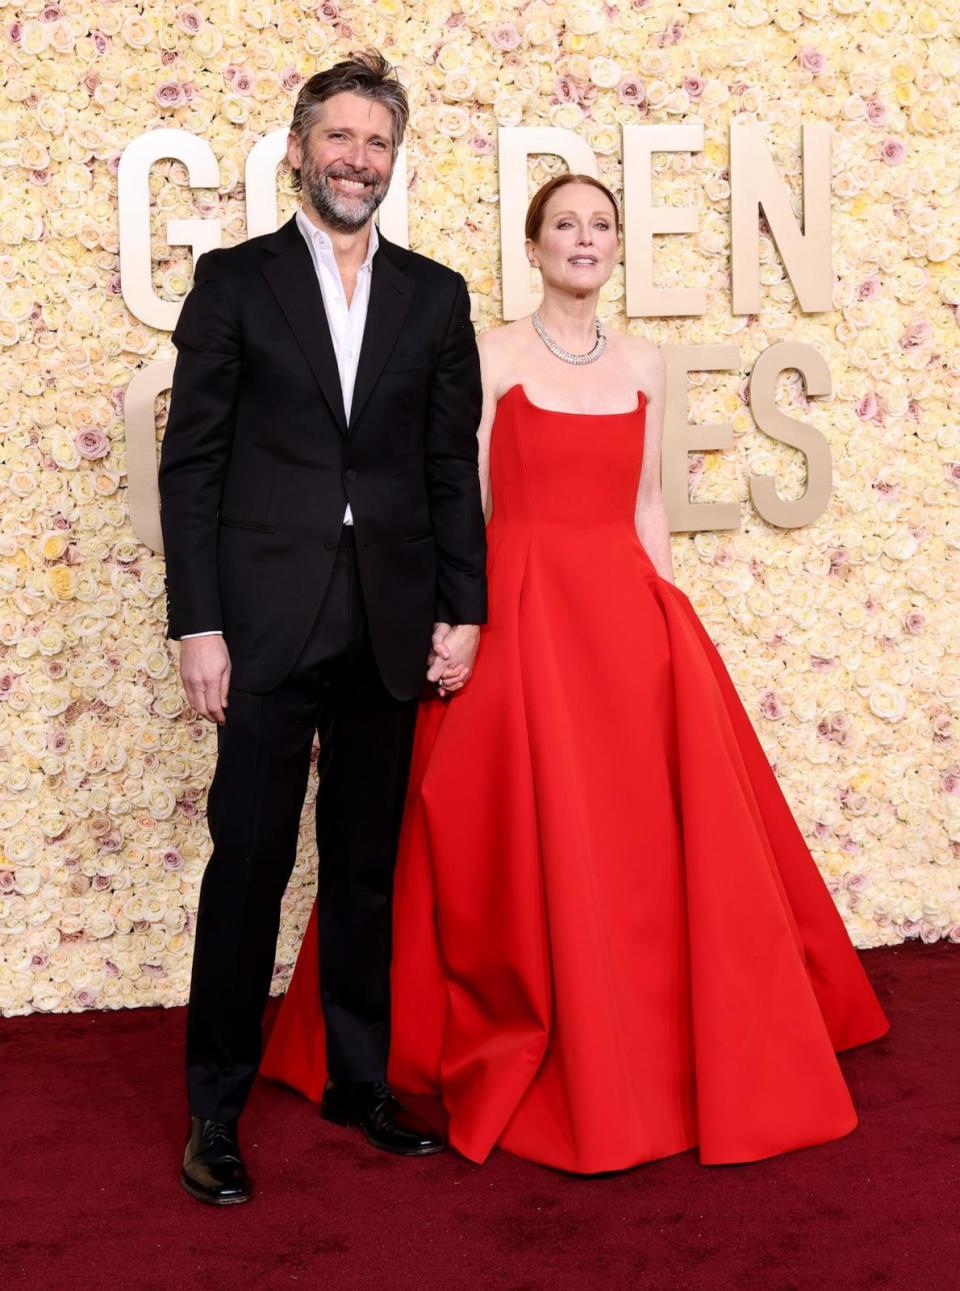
(611, 941)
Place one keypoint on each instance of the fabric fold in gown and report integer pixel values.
(611, 942)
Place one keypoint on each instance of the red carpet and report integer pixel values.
(93, 1123)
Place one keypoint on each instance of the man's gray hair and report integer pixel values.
(366, 73)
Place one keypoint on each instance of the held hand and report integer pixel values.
(451, 661)
(437, 648)
(205, 672)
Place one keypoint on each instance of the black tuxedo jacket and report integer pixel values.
(258, 461)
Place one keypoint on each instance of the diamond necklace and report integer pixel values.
(590, 357)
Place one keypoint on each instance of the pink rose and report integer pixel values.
(290, 78)
(14, 32)
(952, 471)
(869, 288)
(172, 860)
(812, 60)
(694, 86)
(867, 407)
(671, 35)
(942, 724)
(631, 90)
(839, 559)
(893, 151)
(8, 880)
(481, 143)
(243, 81)
(101, 41)
(50, 13)
(189, 20)
(504, 36)
(876, 112)
(92, 444)
(170, 95)
(916, 334)
(770, 707)
(565, 89)
(950, 783)
(328, 11)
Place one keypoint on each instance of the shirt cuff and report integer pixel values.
(214, 632)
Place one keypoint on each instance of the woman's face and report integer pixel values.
(578, 242)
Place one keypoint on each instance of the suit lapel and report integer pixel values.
(289, 271)
(391, 294)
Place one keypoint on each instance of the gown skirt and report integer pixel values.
(611, 942)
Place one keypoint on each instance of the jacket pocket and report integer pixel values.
(230, 523)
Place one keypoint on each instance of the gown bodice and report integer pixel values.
(565, 470)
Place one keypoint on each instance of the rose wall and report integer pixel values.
(841, 636)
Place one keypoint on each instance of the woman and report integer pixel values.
(611, 942)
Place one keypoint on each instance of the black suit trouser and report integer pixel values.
(254, 810)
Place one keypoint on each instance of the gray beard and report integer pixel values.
(335, 211)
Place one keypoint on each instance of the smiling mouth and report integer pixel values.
(355, 187)
(583, 262)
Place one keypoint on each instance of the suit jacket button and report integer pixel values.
(330, 543)
(350, 474)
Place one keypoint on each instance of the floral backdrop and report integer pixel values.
(841, 637)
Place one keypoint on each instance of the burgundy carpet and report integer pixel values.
(93, 1123)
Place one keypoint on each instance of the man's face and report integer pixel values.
(346, 160)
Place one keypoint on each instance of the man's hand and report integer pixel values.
(452, 657)
(205, 672)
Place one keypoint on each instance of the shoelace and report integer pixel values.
(213, 1130)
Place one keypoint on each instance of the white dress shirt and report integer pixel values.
(346, 321)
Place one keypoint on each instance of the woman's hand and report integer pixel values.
(451, 659)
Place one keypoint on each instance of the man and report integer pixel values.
(322, 523)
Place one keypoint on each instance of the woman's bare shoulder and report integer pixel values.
(643, 356)
(501, 339)
(502, 351)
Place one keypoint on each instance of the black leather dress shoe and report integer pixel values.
(371, 1105)
(213, 1169)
